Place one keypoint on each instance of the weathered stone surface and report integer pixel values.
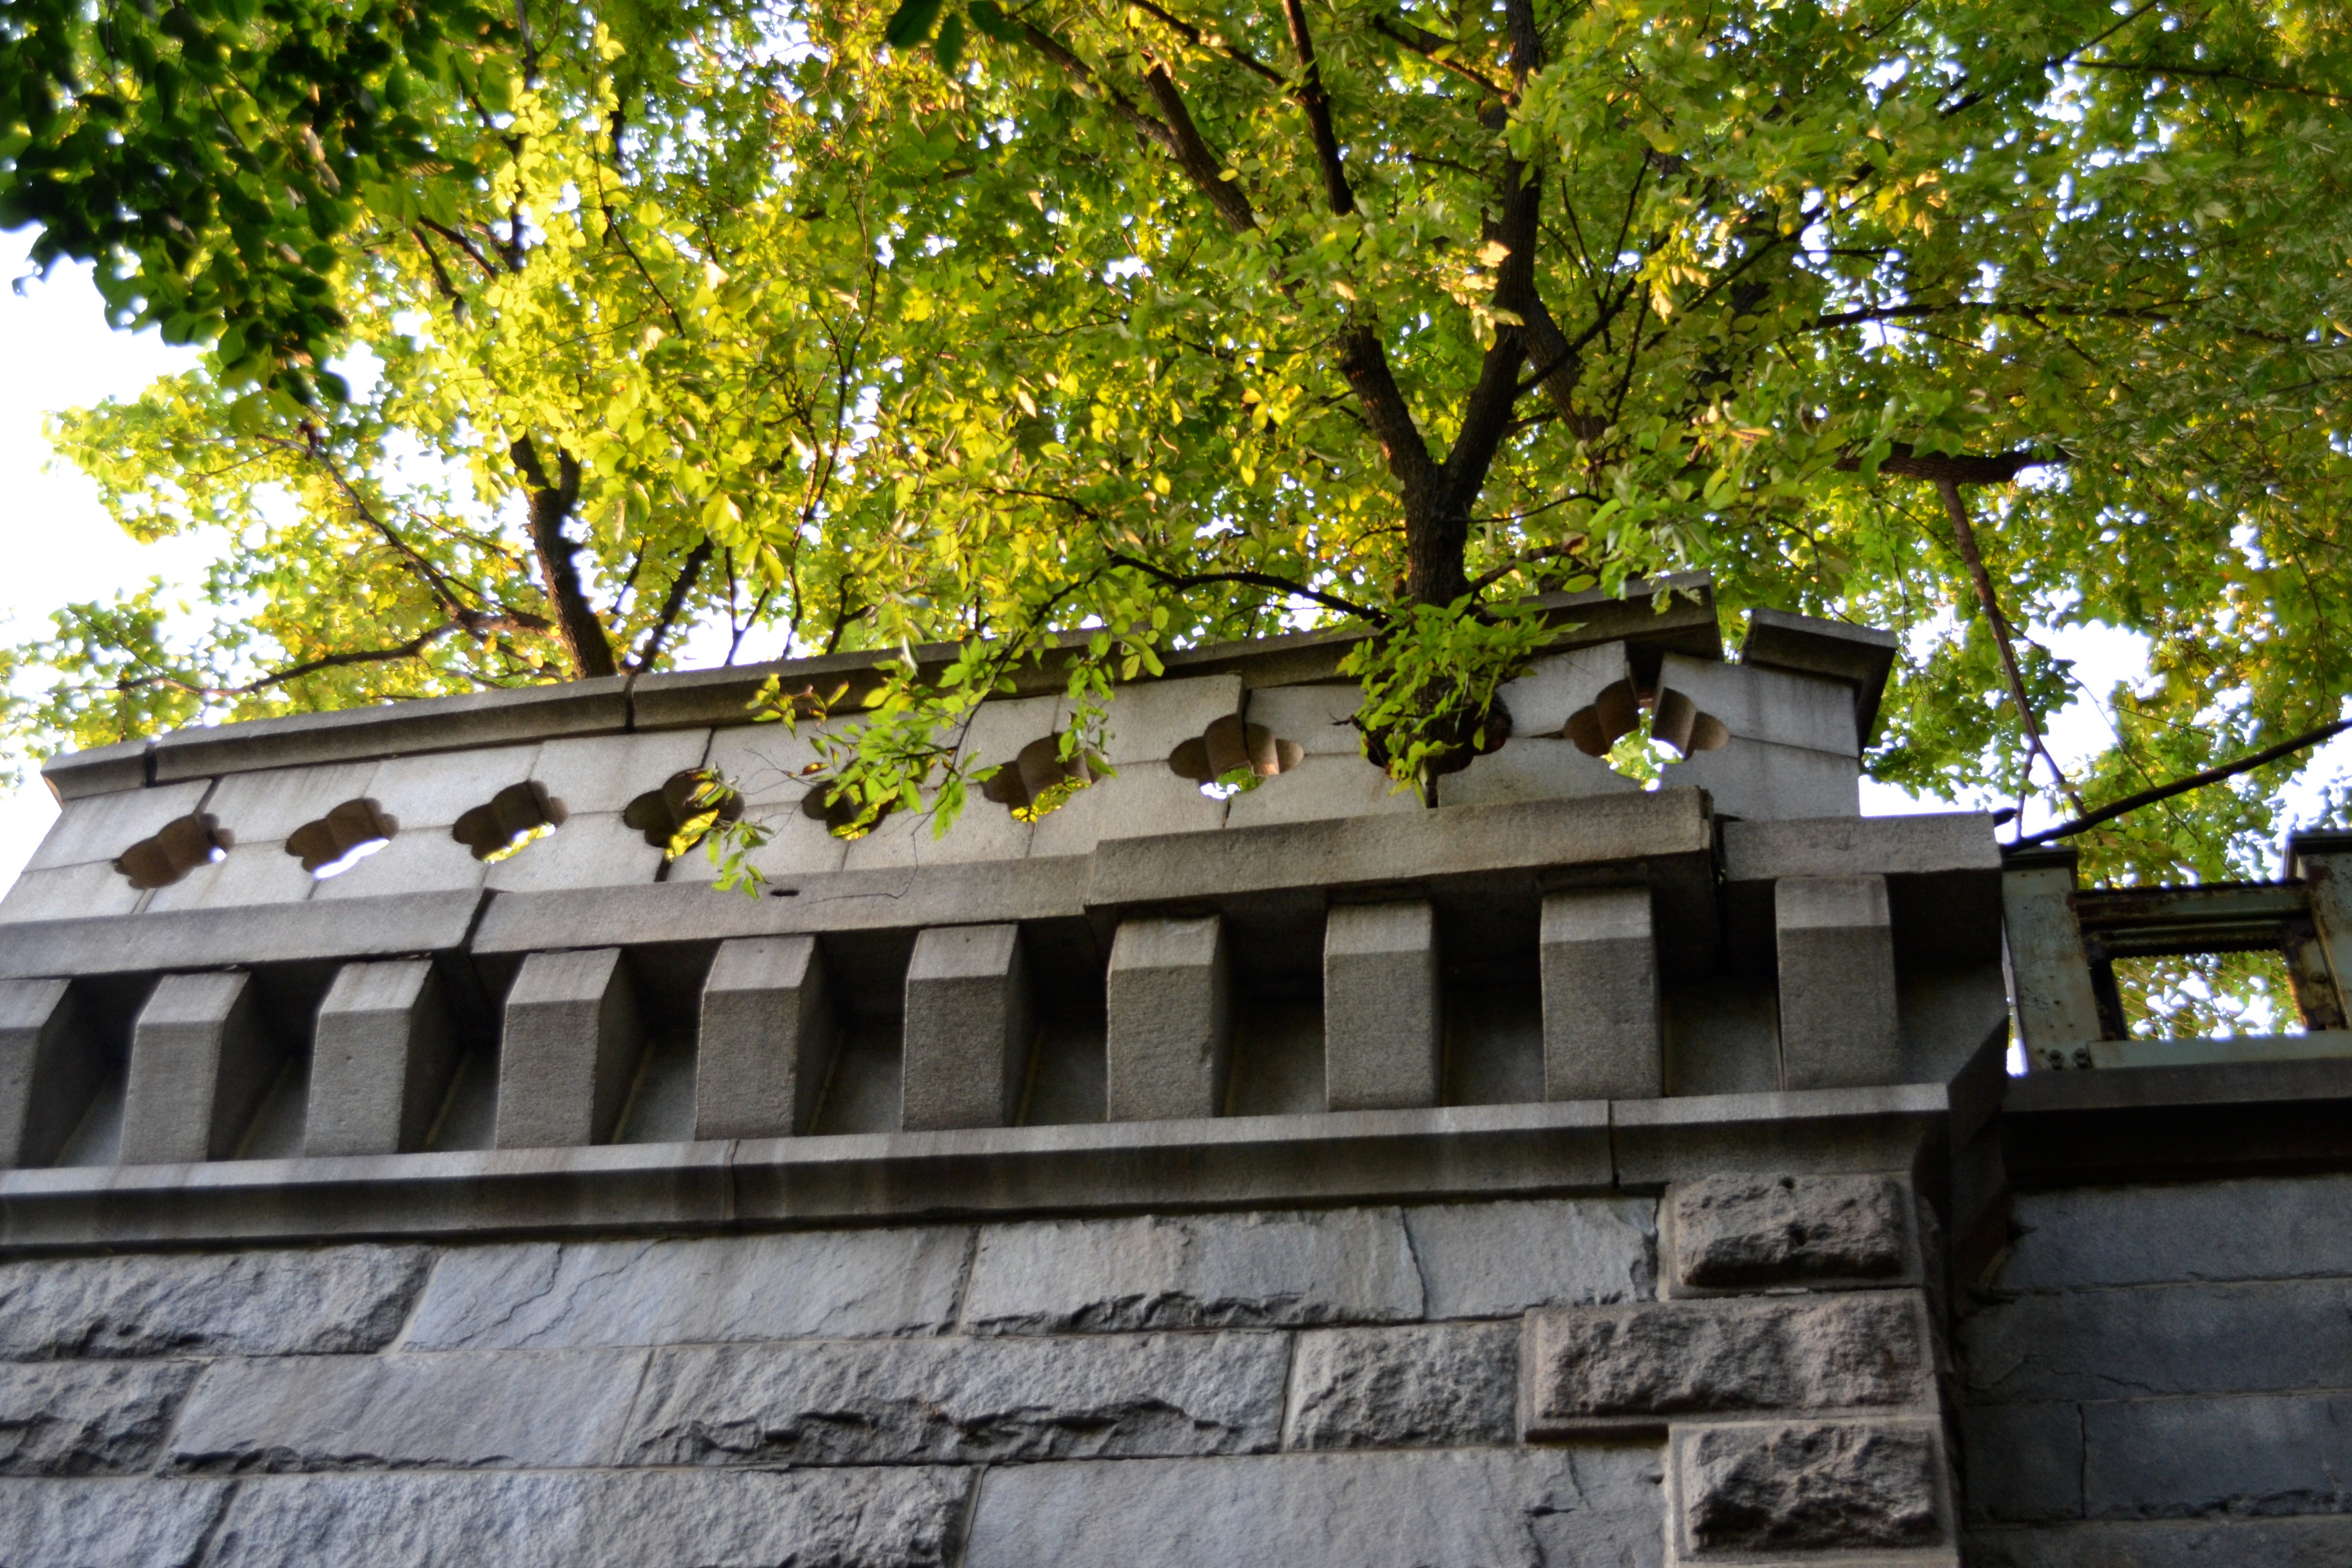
(2177, 1459)
(1498, 1259)
(900, 1518)
(970, 1024)
(1735, 1232)
(1601, 1030)
(1840, 1027)
(330, 1301)
(572, 1038)
(101, 827)
(2317, 1543)
(552, 1295)
(536, 1408)
(1194, 1271)
(2024, 1462)
(1596, 1367)
(961, 1400)
(2162, 1339)
(1808, 1488)
(1170, 1020)
(2192, 1231)
(87, 1418)
(1382, 1033)
(201, 1061)
(1429, 1385)
(1474, 1508)
(107, 1524)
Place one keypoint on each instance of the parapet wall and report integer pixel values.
(1568, 1173)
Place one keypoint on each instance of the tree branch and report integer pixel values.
(678, 589)
(576, 623)
(1996, 469)
(1218, 44)
(1317, 106)
(1957, 510)
(1182, 581)
(1194, 154)
(2194, 781)
(1441, 52)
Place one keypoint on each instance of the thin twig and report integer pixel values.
(1958, 510)
(2194, 781)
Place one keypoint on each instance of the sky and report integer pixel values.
(58, 353)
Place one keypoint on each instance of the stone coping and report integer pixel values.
(2111, 1124)
(687, 699)
(1459, 1152)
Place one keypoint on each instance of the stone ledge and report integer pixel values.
(1891, 1128)
(252, 935)
(2104, 1124)
(1272, 1161)
(423, 724)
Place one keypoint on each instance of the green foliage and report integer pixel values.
(929, 332)
(1430, 682)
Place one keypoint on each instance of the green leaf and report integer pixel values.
(911, 22)
(948, 46)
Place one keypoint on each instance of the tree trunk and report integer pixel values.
(576, 621)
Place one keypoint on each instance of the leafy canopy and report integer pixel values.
(694, 324)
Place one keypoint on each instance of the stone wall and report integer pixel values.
(1469, 1384)
(2158, 1375)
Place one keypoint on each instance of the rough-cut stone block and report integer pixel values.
(573, 1038)
(2162, 1339)
(49, 1068)
(1498, 1259)
(1809, 1487)
(108, 1524)
(604, 772)
(1317, 717)
(335, 1301)
(1767, 705)
(1597, 1369)
(588, 851)
(2245, 1454)
(1149, 719)
(68, 893)
(87, 1418)
(257, 871)
(200, 1063)
(969, 1028)
(1602, 1037)
(1465, 1509)
(1739, 1232)
(1544, 696)
(2024, 1462)
(268, 806)
(1532, 767)
(424, 861)
(961, 1400)
(2087, 1236)
(380, 1061)
(1194, 1271)
(767, 1032)
(910, 841)
(1756, 781)
(102, 827)
(100, 770)
(832, 1283)
(530, 1409)
(890, 1518)
(1421, 1386)
(435, 790)
(1171, 1019)
(1857, 657)
(1320, 788)
(1145, 800)
(1382, 1030)
(1925, 844)
(1838, 1018)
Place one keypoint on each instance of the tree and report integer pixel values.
(847, 326)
